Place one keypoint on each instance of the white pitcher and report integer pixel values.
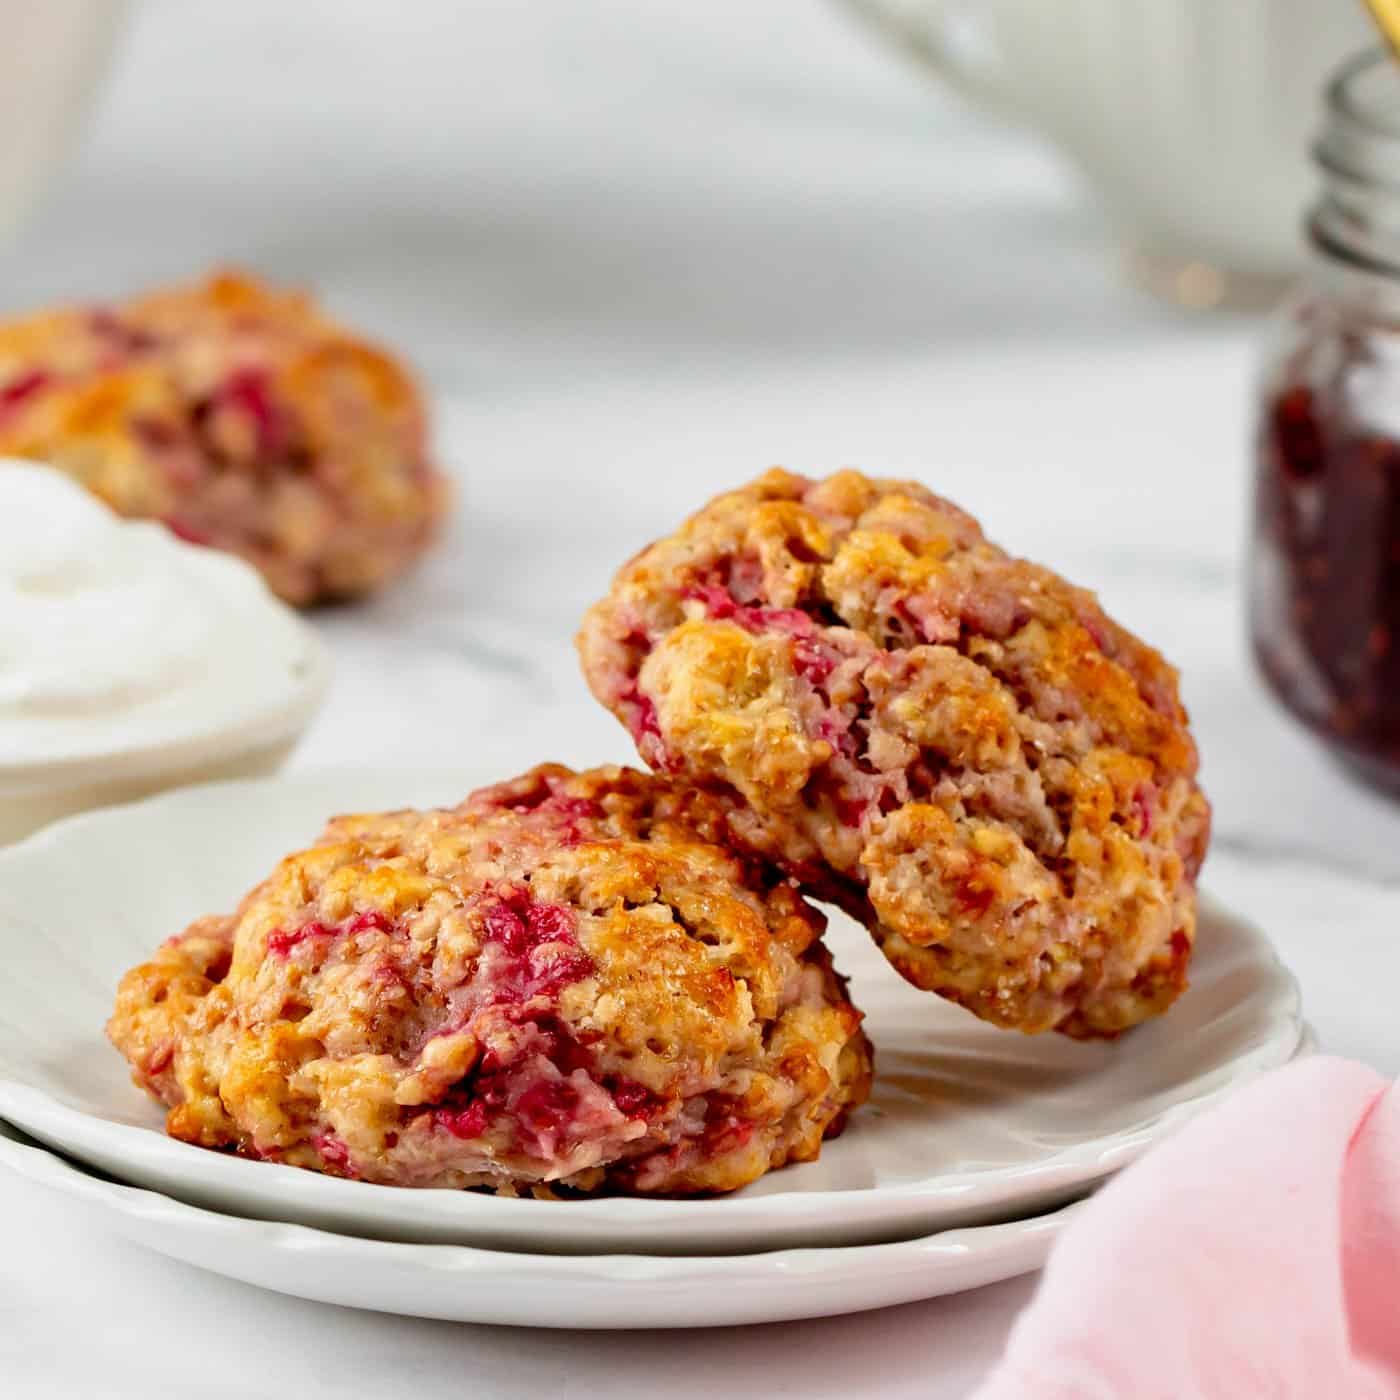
(51, 60)
(1190, 118)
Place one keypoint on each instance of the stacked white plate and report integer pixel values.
(959, 1172)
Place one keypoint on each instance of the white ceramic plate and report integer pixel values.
(967, 1125)
(543, 1290)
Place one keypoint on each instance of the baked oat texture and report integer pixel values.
(958, 747)
(557, 985)
(240, 416)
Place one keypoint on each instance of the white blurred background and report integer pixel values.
(562, 189)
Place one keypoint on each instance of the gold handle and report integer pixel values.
(1386, 13)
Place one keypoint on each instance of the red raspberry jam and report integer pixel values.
(280, 942)
(640, 714)
(183, 530)
(370, 919)
(633, 1099)
(543, 956)
(469, 1122)
(334, 1153)
(16, 391)
(721, 605)
(1325, 585)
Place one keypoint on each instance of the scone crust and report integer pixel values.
(557, 986)
(242, 417)
(957, 746)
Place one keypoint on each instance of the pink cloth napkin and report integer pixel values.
(1257, 1253)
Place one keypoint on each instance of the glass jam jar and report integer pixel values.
(1325, 570)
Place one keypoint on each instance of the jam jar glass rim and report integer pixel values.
(1360, 140)
(1355, 223)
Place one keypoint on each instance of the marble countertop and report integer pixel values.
(640, 256)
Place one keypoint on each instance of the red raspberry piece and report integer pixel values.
(280, 942)
(469, 1122)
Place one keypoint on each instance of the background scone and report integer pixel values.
(241, 417)
(957, 746)
(557, 984)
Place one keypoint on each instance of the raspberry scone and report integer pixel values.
(240, 416)
(956, 746)
(557, 986)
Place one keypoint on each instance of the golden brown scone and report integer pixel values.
(957, 746)
(558, 984)
(240, 416)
